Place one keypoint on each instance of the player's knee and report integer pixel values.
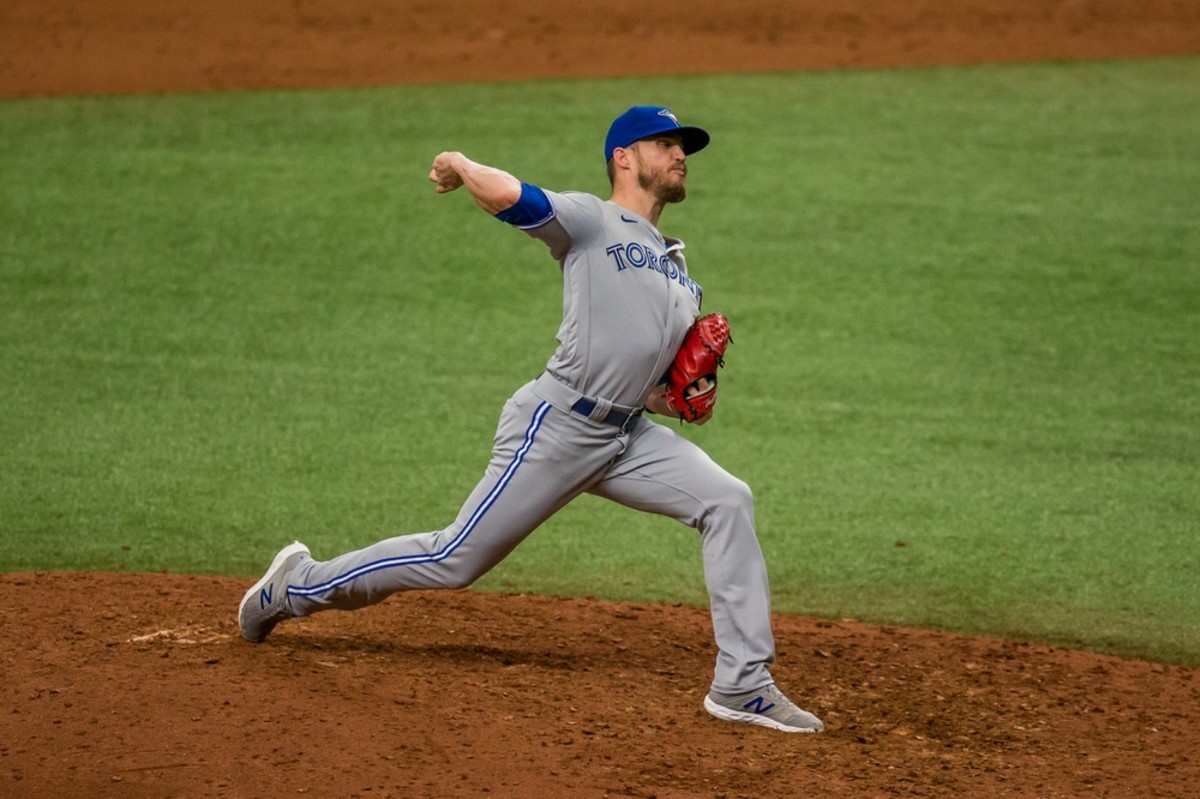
(739, 493)
(462, 577)
(456, 581)
(460, 573)
(733, 496)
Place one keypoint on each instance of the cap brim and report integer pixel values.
(694, 139)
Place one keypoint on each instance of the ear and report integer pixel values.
(622, 157)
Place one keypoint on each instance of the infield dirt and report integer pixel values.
(144, 688)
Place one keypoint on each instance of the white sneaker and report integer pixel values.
(766, 707)
(265, 604)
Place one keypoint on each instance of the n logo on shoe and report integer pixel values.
(264, 596)
(755, 705)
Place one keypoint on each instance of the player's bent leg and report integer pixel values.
(662, 472)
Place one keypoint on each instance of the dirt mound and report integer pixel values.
(139, 685)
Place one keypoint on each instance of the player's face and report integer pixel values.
(661, 170)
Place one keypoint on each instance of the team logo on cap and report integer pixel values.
(666, 112)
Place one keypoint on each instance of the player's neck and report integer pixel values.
(640, 202)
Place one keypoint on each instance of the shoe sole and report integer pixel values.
(725, 714)
(280, 559)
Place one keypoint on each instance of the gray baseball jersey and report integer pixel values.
(627, 303)
(627, 298)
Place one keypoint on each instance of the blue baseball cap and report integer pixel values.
(649, 120)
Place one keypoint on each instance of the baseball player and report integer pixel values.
(629, 305)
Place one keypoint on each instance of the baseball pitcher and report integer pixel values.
(632, 341)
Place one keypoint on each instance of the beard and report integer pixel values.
(658, 185)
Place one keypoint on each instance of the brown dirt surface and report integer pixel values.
(55, 47)
(123, 685)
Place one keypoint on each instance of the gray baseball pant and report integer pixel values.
(544, 456)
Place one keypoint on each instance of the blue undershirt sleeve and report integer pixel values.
(532, 210)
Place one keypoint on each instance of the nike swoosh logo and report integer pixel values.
(630, 221)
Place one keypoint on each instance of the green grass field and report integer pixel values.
(965, 383)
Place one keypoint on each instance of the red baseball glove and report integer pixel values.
(692, 378)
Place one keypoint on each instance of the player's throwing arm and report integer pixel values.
(493, 189)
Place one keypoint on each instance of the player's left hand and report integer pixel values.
(692, 379)
(661, 403)
(698, 387)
